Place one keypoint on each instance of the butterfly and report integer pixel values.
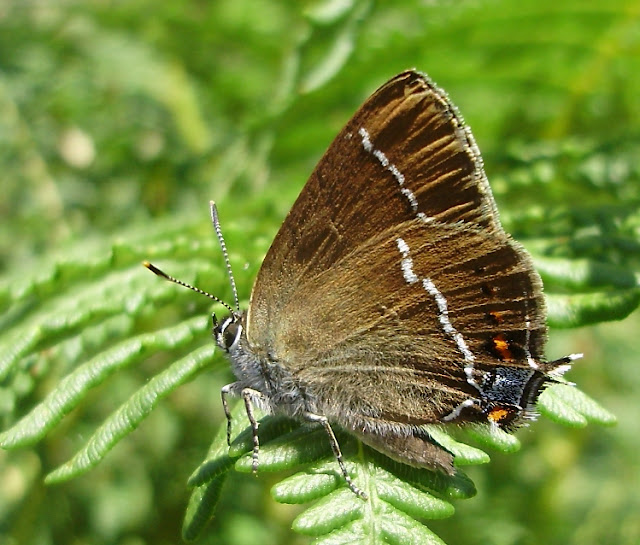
(391, 296)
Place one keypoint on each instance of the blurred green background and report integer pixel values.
(119, 121)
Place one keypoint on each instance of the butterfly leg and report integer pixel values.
(249, 396)
(335, 447)
(227, 390)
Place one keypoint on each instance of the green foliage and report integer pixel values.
(118, 123)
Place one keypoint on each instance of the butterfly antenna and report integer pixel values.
(164, 275)
(223, 246)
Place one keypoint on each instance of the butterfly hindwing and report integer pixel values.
(396, 311)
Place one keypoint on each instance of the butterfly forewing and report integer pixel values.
(406, 145)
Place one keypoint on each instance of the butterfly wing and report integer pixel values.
(391, 285)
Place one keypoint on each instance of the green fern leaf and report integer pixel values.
(129, 415)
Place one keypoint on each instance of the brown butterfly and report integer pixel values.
(391, 297)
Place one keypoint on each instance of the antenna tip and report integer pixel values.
(154, 269)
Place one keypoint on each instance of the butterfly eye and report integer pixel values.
(228, 333)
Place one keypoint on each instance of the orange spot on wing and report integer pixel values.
(497, 316)
(498, 414)
(501, 347)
